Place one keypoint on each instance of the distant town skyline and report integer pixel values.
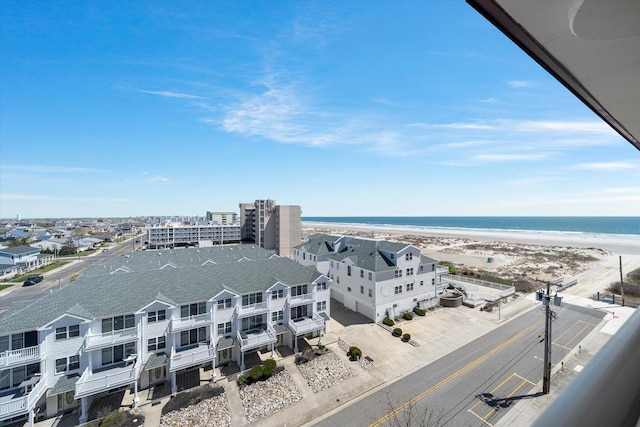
(404, 108)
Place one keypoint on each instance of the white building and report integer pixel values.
(222, 217)
(24, 258)
(374, 277)
(150, 317)
(169, 235)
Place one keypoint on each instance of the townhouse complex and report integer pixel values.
(374, 277)
(171, 235)
(149, 317)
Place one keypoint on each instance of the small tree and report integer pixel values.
(268, 367)
(256, 372)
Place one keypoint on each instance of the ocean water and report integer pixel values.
(621, 226)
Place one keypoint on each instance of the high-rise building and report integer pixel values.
(271, 226)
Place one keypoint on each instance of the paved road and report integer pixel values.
(476, 384)
(60, 277)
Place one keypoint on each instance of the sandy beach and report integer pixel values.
(521, 256)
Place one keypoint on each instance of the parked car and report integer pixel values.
(33, 280)
(105, 250)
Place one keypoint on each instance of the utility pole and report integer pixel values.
(546, 376)
(621, 282)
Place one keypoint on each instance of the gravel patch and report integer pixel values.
(325, 371)
(210, 412)
(263, 398)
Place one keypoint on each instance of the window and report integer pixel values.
(117, 353)
(362, 290)
(158, 343)
(421, 267)
(61, 365)
(348, 270)
(410, 271)
(63, 332)
(253, 322)
(370, 276)
(370, 293)
(277, 316)
(362, 273)
(193, 336)
(332, 264)
(118, 323)
(251, 299)
(321, 305)
(224, 328)
(156, 316)
(433, 281)
(224, 303)
(194, 309)
(408, 256)
(409, 287)
(337, 279)
(397, 290)
(74, 362)
(348, 288)
(277, 294)
(299, 312)
(421, 282)
(322, 286)
(299, 290)
(398, 273)
(304, 255)
(433, 267)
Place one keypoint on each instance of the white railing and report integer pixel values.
(302, 298)
(253, 339)
(92, 383)
(307, 324)
(22, 355)
(194, 356)
(23, 404)
(253, 308)
(108, 338)
(180, 323)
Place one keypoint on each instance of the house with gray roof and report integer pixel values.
(152, 317)
(377, 278)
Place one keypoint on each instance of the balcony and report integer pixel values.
(255, 338)
(302, 299)
(304, 325)
(11, 358)
(107, 339)
(251, 309)
(191, 356)
(185, 323)
(17, 403)
(103, 380)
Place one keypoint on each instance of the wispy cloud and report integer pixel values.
(511, 157)
(607, 166)
(384, 101)
(169, 94)
(519, 83)
(491, 100)
(159, 178)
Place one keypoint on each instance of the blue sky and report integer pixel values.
(344, 108)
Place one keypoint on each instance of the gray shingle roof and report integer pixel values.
(116, 294)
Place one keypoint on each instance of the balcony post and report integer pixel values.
(213, 371)
(31, 417)
(135, 394)
(242, 360)
(174, 384)
(84, 415)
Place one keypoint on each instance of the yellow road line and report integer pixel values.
(577, 335)
(454, 375)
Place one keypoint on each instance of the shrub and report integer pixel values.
(397, 332)
(268, 367)
(256, 372)
(406, 337)
(419, 311)
(355, 353)
(388, 322)
(242, 379)
(321, 347)
(407, 316)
